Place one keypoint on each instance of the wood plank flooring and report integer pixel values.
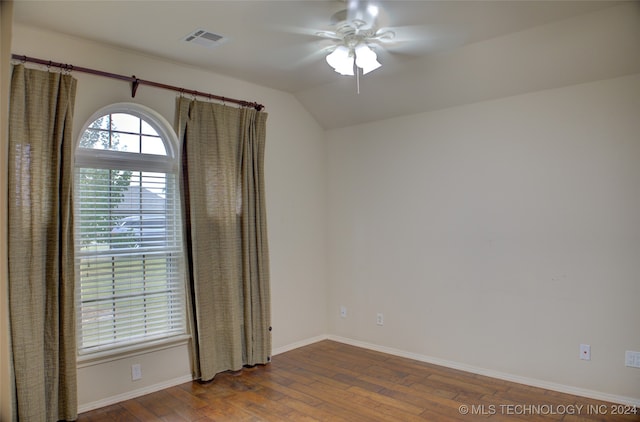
(329, 381)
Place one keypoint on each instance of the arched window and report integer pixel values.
(128, 230)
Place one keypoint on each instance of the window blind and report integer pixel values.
(130, 257)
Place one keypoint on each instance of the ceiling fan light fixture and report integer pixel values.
(366, 58)
(341, 60)
(353, 53)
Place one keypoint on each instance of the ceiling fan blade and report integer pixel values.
(422, 39)
(311, 31)
(314, 58)
(300, 54)
(328, 35)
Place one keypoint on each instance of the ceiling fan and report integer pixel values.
(355, 34)
(362, 35)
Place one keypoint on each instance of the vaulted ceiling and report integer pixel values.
(445, 53)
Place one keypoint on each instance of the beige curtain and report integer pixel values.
(6, 378)
(223, 189)
(41, 249)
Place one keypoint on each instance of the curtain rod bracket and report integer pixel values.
(134, 86)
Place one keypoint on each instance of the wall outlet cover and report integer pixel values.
(632, 359)
(136, 372)
(585, 352)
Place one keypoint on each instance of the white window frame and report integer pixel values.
(169, 163)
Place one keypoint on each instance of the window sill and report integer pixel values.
(105, 356)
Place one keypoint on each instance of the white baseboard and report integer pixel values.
(612, 398)
(298, 344)
(134, 393)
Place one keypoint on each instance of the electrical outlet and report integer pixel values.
(585, 352)
(136, 372)
(343, 311)
(632, 359)
(380, 319)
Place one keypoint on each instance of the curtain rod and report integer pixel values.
(135, 82)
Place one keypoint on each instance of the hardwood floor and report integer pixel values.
(329, 381)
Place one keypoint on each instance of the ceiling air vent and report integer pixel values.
(206, 38)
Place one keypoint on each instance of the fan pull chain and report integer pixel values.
(357, 81)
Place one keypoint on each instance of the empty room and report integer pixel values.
(319, 210)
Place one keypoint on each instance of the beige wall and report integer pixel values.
(498, 236)
(5, 52)
(296, 189)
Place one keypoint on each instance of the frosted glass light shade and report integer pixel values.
(366, 58)
(341, 60)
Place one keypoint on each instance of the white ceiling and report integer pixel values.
(439, 57)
